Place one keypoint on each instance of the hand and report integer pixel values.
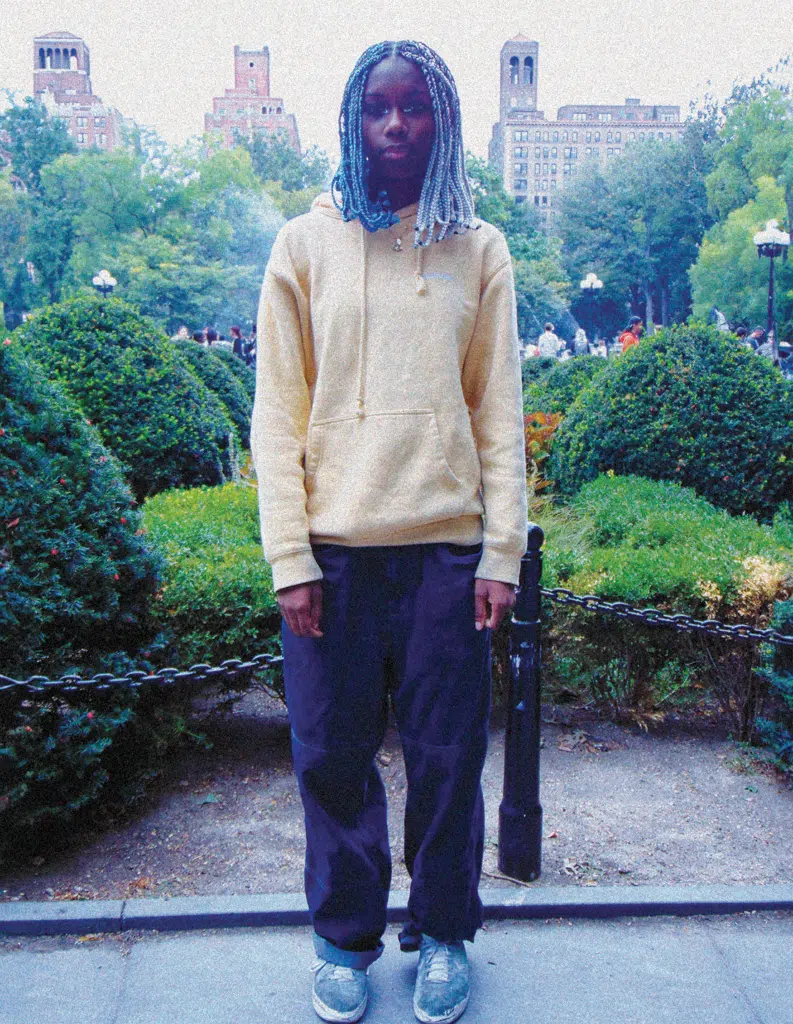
(492, 600)
(301, 606)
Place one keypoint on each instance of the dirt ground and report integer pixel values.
(681, 804)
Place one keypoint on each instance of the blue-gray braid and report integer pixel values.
(446, 203)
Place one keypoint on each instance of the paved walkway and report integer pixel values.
(662, 970)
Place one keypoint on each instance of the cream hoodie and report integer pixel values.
(388, 394)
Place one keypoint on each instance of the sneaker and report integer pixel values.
(340, 993)
(442, 984)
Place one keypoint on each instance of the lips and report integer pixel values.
(395, 153)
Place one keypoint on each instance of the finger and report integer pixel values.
(316, 608)
(303, 617)
(480, 608)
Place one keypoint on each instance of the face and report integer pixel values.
(397, 120)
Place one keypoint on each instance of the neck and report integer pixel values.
(400, 193)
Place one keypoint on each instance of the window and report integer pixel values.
(633, 136)
(545, 152)
(589, 136)
(537, 185)
(660, 135)
(82, 122)
(100, 122)
(252, 84)
(546, 136)
(536, 168)
(641, 136)
(629, 115)
(520, 199)
(545, 168)
(554, 152)
(545, 200)
(564, 136)
(667, 117)
(574, 152)
(567, 169)
(553, 168)
(536, 200)
(514, 65)
(538, 136)
(556, 136)
(604, 117)
(521, 184)
(617, 151)
(520, 169)
(553, 185)
(589, 151)
(596, 151)
(521, 152)
(81, 138)
(617, 136)
(574, 137)
(609, 137)
(597, 136)
(567, 152)
(609, 151)
(544, 185)
(528, 71)
(579, 116)
(669, 135)
(537, 152)
(520, 136)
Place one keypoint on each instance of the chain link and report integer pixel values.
(681, 622)
(233, 670)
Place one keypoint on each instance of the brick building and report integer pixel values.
(62, 83)
(537, 157)
(248, 107)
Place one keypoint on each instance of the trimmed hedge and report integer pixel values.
(76, 575)
(557, 390)
(218, 600)
(215, 373)
(688, 405)
(164, 425)
(244, 373)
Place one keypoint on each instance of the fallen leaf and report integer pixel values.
(209, 798)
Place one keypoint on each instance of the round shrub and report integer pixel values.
(205, 364)
(557, 390)
(687, 405)
(244, 373)
(76, 575)
(536, 368)
(218, 600)
(164, 425)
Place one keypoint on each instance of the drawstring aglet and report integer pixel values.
(421, 285)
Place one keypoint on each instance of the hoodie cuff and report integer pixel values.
(294, 568)
(496, 565)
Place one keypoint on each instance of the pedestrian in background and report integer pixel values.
(237, 342)
(549, 344)
(388, 444)
(580, 344)
(630, 336)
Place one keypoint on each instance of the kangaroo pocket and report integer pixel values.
(370, 477)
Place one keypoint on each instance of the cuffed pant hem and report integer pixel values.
(358, 959)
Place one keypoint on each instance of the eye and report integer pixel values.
(419, 107)
(374, 108)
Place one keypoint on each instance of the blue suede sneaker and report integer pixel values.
(442, 984)
(340, 993)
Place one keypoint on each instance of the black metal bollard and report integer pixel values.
(520, 813)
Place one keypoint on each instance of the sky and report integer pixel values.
(162, 61)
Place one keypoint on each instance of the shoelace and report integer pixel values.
(336, 972)
(438, 964)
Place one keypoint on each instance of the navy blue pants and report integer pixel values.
(398, 621)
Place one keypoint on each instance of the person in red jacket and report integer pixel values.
(631, 334)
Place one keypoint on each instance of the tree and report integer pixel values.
(33, 139)
(728, 273)
(292, 179)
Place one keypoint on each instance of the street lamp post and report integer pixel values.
(104, 283)
(590, 287)
(772, 243)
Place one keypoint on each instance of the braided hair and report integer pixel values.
(446, 203)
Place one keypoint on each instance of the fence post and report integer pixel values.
(520, 813)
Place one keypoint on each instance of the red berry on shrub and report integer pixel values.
(54, 551)
(115, 576)
(90, 715)
(123, 520)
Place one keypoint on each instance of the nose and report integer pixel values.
(395, 125)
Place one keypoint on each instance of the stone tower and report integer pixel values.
(519, 66)
(61, 65)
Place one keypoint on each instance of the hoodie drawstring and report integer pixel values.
(362, 336)
(421, 284)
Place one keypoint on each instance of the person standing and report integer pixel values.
(580, 343)
(237, 342)
(549, 344)
(630, 336)
(388, 442)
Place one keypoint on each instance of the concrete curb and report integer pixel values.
(188, 913)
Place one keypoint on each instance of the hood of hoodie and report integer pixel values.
(324, 204)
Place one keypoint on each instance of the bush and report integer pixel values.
(213, 371)
(536, 368)
(244, 373)
(776, 729)
(218, 600)
(691, 406)
(76, 576)
(163, 424)
(658, 545)
(557, 390)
